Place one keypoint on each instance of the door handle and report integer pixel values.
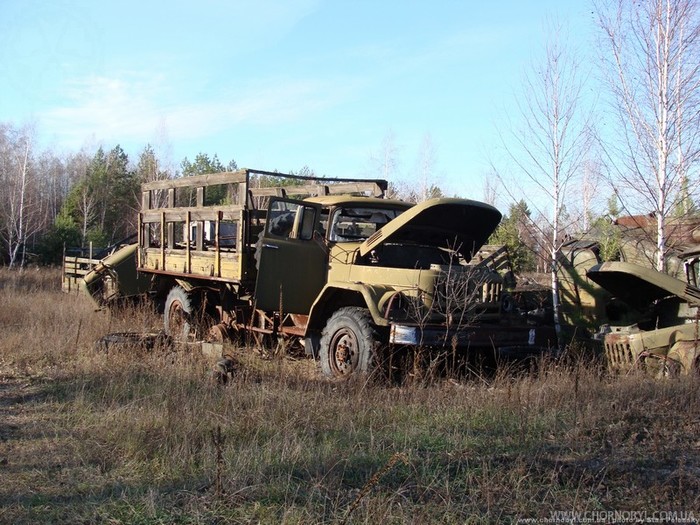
(271, 246)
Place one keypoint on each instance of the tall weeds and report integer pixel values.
(144, 435)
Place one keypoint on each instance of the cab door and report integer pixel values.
(292, 257)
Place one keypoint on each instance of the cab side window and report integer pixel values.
(290, 220)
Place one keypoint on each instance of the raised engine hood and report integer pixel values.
(639, 286)
(459, 224)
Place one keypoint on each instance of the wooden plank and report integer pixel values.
(162, 240)
(78, 272)
(230, 212)
(376, 186)
(276, 191)
(142, 231)
(200, 225)
(70, 284)
(203, 264)
(306, 191)
(80, 260)
(171, 226)
(319, 189)
(381, 183)
(217, 234)
(360, 187)
(188, 250)
(209, 179)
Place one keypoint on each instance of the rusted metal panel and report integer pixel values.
(618, 353)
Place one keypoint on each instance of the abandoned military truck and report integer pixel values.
(330, 263)
(655, 329)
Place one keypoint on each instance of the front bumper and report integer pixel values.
(503, 340)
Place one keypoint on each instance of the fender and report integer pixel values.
(354, 294)
(186, 284)
(685, 353)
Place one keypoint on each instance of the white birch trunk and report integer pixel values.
(19, 232)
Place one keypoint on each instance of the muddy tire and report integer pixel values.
(349, 344)
(179, 315)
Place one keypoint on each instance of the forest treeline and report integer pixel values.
(48, 202)
(618, 133)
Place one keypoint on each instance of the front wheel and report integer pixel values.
(349, 343)
(682, 359)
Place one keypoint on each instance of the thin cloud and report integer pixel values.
(129, 107)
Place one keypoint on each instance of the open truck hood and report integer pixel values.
(458, 224)
(639, 286)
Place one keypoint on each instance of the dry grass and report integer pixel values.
(145, 437)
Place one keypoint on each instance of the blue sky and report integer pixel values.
(276, 84)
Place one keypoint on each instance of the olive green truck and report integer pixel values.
(330, 263)
(655, 329)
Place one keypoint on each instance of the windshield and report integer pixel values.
(358, 223)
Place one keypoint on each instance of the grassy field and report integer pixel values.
(146, 437)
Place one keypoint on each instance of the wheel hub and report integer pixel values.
(345, 351)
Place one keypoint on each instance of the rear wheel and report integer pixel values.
(349, 344)
(179, 315)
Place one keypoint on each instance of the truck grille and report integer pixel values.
(491, 292)
(618, 354)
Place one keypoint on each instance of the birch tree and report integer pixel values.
(18, 209)
(490, 188)
(590, 192)
(426, 176)
(86, 208)
(549, 144)
(385, 161)
(650, 50)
